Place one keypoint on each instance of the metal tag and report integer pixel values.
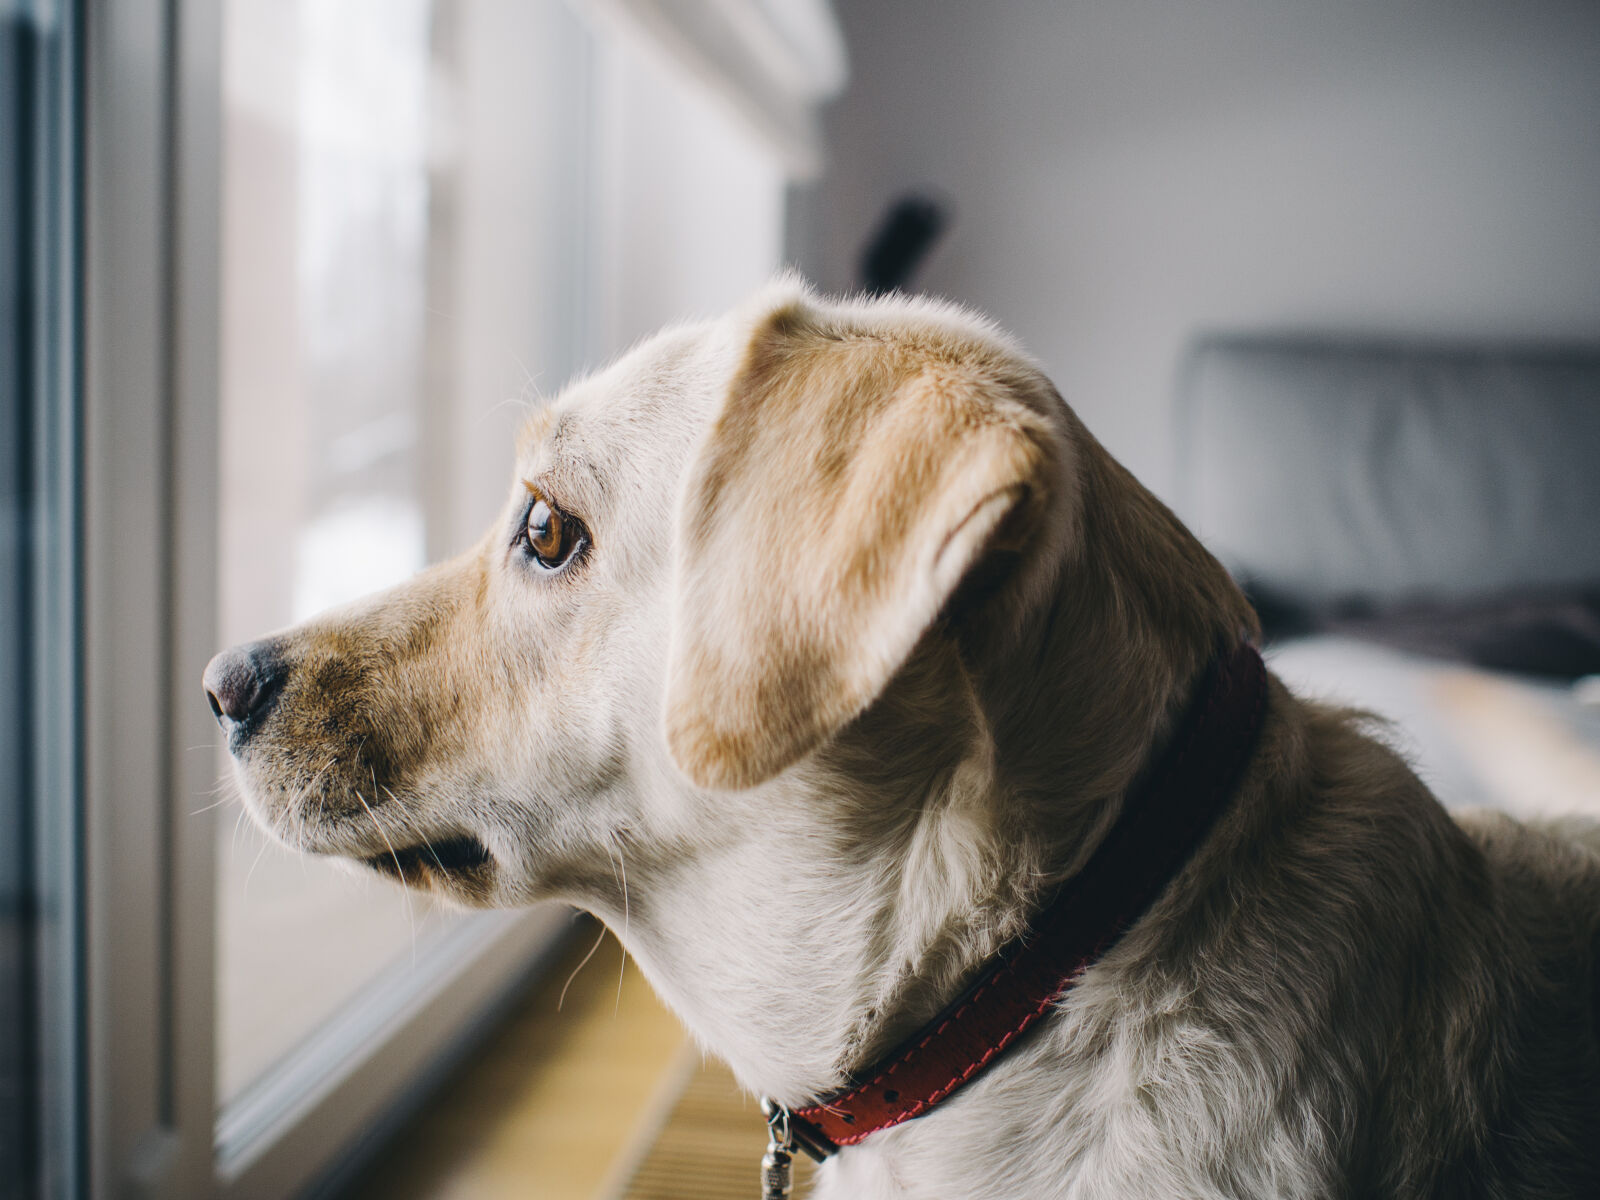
(777, 1164)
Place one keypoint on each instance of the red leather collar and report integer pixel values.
(1166, 815)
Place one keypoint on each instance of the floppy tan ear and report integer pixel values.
(847, 487)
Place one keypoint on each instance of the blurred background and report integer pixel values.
(282, 277)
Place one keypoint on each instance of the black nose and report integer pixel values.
(241, 682)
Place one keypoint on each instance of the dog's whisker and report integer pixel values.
(622, 972)
(426, 841)
(400, 871)
(301, 839)
(521, 401)
(411, 914)
(318, 774)
(266, 844)
(614, 842)
(382, 833)
(530, 381)
(561, 999)
(322, 793)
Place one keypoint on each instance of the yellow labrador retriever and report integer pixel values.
(830, 630)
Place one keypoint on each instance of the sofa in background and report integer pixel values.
(1419, 526)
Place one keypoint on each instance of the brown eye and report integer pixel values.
(552, 536)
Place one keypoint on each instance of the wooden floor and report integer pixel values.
(560, 1104)
(709, 1144)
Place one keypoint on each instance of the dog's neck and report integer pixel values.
(894, 864)
(816, 960)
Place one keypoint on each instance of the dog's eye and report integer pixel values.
(552, 536)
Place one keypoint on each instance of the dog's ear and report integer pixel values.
(849, 484)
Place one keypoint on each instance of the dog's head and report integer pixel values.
(783, 545)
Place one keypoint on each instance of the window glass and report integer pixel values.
(435, 211)
(402, 202)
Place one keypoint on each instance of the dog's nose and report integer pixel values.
(241, 681)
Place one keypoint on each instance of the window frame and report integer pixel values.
(149, 365)
(40, 777)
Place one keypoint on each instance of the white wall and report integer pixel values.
(693, 216)
(1126, 174)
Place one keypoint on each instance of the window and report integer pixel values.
(337, 247)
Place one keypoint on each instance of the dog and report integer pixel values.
(815, 649)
